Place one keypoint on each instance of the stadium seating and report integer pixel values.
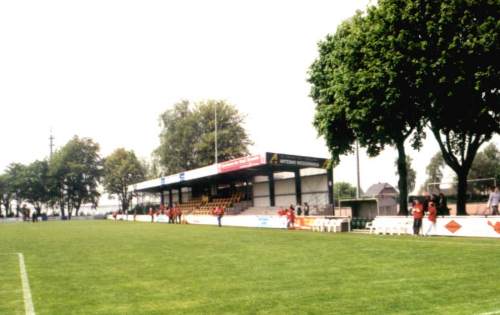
(390, 225)
(327, 225)
(224, 203)
(189, 206)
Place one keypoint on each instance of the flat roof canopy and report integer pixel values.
(232, 170)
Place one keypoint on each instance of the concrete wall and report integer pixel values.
(314, 191)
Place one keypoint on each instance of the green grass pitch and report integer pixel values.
(105, 267)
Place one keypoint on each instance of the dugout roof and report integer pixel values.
(243, 168)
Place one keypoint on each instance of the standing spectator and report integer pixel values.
(494, 200)
(425, 205)
(299, 210)
(34, 216)
(432, 218)
(219, 213)
(178, 215)
(151, 213)
(290, 224)
(306, 209)
(443, 205)
(418, 214)
(170, 213)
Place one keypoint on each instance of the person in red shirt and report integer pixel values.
(432, 218)
(178, 215)
(219, 213)
(170, 214)
(418, 214)
(290, 218)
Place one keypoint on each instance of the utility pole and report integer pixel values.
(51, 144)
(216, 158)
(358, 186)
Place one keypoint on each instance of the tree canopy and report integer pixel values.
(36, 184)
(434, 171)
(344, 190)
(121, 169)
(404, 64)
(187, 139)
(360, 83)
(458, 72)
(486, 165)
(76, 170)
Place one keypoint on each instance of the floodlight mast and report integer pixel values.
(51, 144)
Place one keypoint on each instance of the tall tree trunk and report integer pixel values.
(402, 182)
(124, 205)
(462, 192)
(61, 208)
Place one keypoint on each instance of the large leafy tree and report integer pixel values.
(121, 169)
(361, 85)
(434, 171)
(440, 58)
(15, 179)
(5, 194)
(76, 170)
(486, 165)
(344, 190)
(457, 75)
(35, 184)
(187, 139)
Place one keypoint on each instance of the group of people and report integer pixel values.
(433, 205)
(418, 210)
(173, 213)
(290, 214)
(29, 214)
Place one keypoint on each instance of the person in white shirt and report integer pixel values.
(494, 200)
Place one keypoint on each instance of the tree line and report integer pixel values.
(404, 67)
(76, 174)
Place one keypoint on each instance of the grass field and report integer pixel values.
(104, 267)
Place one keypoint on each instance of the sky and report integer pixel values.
(108, 69)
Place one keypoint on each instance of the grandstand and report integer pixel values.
(262, 182)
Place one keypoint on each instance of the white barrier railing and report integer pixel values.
(473, 226)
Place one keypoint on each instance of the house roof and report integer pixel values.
(377, 189)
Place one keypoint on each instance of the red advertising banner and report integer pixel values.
(241, 163)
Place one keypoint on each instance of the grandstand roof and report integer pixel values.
(240, 168)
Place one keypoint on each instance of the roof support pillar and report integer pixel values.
(331, 197)
(180, 194)
(270, 176)
(298, 187)
(170, 197)
(162, 198)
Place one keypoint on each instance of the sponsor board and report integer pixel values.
(295, 160)
(241, 163)
(466, 226)
(255, 221)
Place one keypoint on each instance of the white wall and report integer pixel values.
(314, 191)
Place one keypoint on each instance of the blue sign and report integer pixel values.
(181, 176)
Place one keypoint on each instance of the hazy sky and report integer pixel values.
(107, 69)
